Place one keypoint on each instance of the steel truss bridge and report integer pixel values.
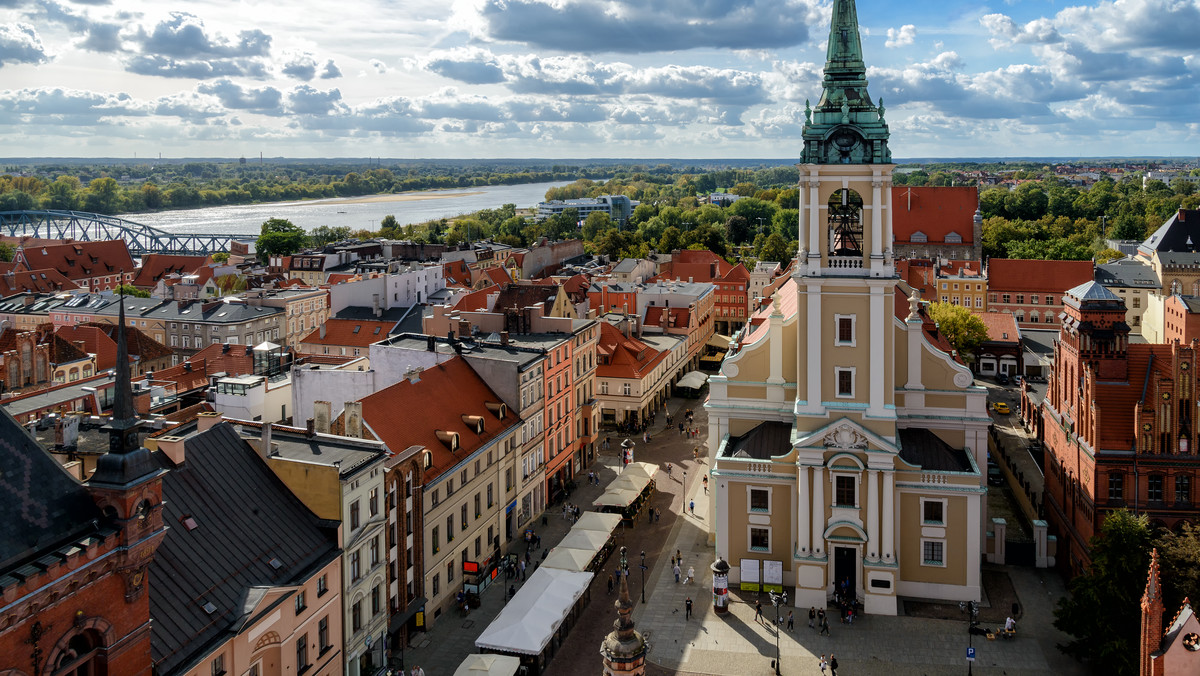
(83, 226)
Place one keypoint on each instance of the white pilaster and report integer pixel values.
(818, 511)
(775, 342)
(889, 517)
(876, 216)
(872, 553)
(810, 351)
(814, 225)
(801, 233)
(915, 339)
(879, 322)
(803, 512)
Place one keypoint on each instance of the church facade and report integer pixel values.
(846, 437)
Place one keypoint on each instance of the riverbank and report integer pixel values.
(400, 197)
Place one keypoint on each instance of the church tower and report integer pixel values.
(846, 273)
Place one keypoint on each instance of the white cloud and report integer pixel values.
(20, 43)
(902, 37)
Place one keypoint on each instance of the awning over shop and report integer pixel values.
(488, 665)
(693, 380)
(414, 606)
(719, 341)
(590, 540)
(531, 618)
(628, 485)
(617, 497)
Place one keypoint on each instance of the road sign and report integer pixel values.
(970, 654)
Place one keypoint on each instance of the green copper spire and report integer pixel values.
(845, 127)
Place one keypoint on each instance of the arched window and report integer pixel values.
(845, 223)
(84, 656)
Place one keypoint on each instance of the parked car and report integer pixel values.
(994, 477)
(1001, 408)
(1002, 379)
(1017, 380)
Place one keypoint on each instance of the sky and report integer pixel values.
(587, 78)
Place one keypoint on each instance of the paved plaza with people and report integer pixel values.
(734, 643)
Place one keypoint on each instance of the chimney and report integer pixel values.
(375, 309)
(172, 447)
(504, 338)
(264, 444)
(464, 328)
(205, 421)
(321, 416)
(310, 427)
(430, 344)
(322, 330)
(354, 427)
(80, 344)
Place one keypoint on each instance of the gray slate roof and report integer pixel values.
(926, 450)
(1092, 291)
(1127, 272)
(245, 516)
(43, 507)
(1180, 234)
(765, 441)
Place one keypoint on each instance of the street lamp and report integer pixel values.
(972, 610)
(643, 576)
(777, 600)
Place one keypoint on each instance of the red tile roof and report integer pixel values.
(920, 274)
(475, 301)
(928, 326)
(934, 211)
(94, 341)
(234, 360)
(677, 317)
(412, 413)
(1001, 327)
(79, 260)
(699, 266)
(47, 280)
(623, 357)
(185, 377)
(1037, 276)
(456, 273)
(497, 275)
(156, 266)
(737, 273)
(350, 332)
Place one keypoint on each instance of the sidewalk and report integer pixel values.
(736, 645)
(440, 650)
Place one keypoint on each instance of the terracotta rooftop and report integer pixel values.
(156, 266)
(1037, 276)
(79, 260)
(47, 280)
(1001, 327)
(622, 357)
(349, 332)
(456, 273)
(935, 212)
(677, 317)
(413, 413)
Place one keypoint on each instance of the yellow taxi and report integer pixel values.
(1001, 407)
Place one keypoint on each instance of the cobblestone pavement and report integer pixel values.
(735, 644)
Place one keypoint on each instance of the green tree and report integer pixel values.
(963, 330)
(1108, 255)
(1106, 637)
(63, 193)
(103, 196)
(671, 240)
(7, 251)
(220, 257)
(611, 243)
(279, 237)
(596, 223)
(776, 249)
(1179, 560)
(130, 290)
(324, 234)
(739, 229)
(388, 224)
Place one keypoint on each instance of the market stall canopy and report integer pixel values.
(693, 380)
(488, 665)
(531, 618)
(590, 540)
(646, 469)
(617, 497)
(565, 558)
(597, 521)
(720, 342)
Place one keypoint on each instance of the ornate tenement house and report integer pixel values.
(1119, 422)
(847, 437)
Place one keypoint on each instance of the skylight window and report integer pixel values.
(276, 563)
(189, 522)
(209, 607)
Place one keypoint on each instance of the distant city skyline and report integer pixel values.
(587, 78)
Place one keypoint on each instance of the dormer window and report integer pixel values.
(920, 237)
(498, 409)
(450, 439)
(475, 422)
(954, 238)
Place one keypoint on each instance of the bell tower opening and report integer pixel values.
(845, 223)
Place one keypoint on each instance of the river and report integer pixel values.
(353, 212)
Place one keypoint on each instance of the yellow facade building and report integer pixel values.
(847, 441)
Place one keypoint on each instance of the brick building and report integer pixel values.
(95, 266)
(1032, 289)
(937, 222)
(1119, 424)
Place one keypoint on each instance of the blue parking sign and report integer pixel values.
(970, 654)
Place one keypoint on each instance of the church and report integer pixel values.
(847, 439)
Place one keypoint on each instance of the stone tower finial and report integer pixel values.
(1152, 612)
(914, 306)
(624, 649)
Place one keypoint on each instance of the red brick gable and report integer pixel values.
(81, 261)
(47, 280)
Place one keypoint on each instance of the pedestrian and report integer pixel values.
(522, 571)
(610, 583)
(823, 664)
(512, 590)
(681, 428)
(685, 477)
(657, 515)
(833, 665)
(679, 557)
(688, 605)
(691, 578)
(758, 611)
(704, 480)
(850, 615)
(791, 621)
(668, 469)
(696, 454)
(676, 571)
(812, 616)
(824, 626)
(692, 507)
